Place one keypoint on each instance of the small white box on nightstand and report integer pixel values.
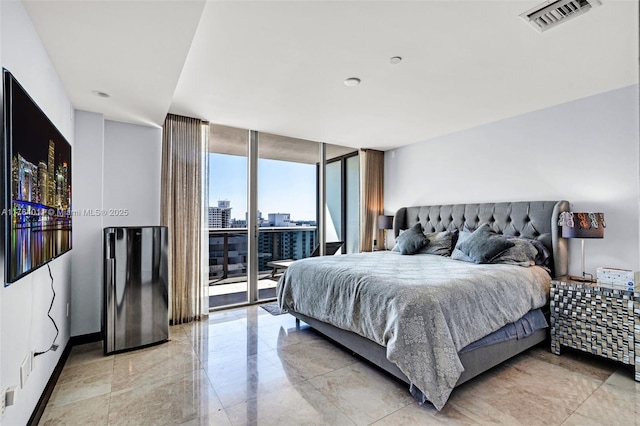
(617, 277)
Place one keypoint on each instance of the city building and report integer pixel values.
(220, 216)
(280, 219)
(273, 244)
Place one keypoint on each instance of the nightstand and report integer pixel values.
(597, 320)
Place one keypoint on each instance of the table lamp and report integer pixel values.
(384, 223)
(582, 225)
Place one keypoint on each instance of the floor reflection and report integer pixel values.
(246, 366)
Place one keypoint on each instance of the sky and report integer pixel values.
(283, 186)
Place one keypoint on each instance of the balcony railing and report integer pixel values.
(228, 259)
(228, 249)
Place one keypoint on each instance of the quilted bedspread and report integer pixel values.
(422, 308)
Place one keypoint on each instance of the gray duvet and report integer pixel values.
(422, 308)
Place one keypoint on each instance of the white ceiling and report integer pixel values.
(279, 66)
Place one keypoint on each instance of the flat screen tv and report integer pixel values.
(37, 184)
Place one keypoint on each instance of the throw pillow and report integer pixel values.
(523, 253)
(483, 244)
(412, 240)
(440, 243)
(457, 254)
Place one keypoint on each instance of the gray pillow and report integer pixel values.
(543, 257)
(411, 241)
(523, 253)
(440, 243)
(457, 254)
(483, 244)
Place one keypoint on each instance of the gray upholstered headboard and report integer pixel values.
(529, 219)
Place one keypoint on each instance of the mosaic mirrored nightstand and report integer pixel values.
(597, 320)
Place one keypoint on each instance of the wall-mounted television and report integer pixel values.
(37, 184)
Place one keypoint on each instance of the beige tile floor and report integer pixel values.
(245, 366)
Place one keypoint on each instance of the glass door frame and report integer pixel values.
(343, 196)
(252, 213)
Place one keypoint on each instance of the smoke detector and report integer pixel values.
(553, 12)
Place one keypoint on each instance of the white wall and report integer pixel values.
(117, 168)
(584, 151)
(86, 300)
(24, 325)
(132, 164)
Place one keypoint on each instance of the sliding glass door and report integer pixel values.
(263, 209)
(226, 213)
(286, 205)
(343, 201)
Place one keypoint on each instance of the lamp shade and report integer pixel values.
(385, 222)
(582, 225)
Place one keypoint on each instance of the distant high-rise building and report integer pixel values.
(280, 219)
(51, 171)
(66, 196)
(220, 217)
(238, 223)
(296, 243)
(15, 193)
(26, 175)
(59, 187)
(42, 182)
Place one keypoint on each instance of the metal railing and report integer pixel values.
(228, 250)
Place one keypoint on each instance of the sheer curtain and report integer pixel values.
(371, 197)
(183, 141)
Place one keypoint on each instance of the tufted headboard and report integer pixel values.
(529, 219)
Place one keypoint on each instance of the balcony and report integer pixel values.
(228, 260)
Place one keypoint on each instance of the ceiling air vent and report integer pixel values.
(551, 13)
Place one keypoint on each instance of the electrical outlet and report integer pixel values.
(25, 370)
(10, 396)
(3, 402)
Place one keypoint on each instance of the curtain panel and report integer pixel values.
(181, 212)
(371, 197)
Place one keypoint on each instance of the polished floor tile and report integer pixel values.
(362, 392)
(75, 372)
(525, 390)
(172, 400)
(245, 366)
(299, 404)
(83, 388)
(618, 398)
(90, 411)
(137, 368)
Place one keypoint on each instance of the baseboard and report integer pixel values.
(48, 390)
(51, 384)
(85, 338)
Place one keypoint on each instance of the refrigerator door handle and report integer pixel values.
(111, 245)
(109, 292)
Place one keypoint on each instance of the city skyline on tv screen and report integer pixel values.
(38, 200)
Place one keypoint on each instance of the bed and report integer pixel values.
(426, 318)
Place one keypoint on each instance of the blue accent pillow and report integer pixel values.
(411, 240)
(483, 244)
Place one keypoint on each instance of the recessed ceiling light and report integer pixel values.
(101, 94)
(352, 81)
(395, 60)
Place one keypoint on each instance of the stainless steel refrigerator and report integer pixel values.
(135, 304)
